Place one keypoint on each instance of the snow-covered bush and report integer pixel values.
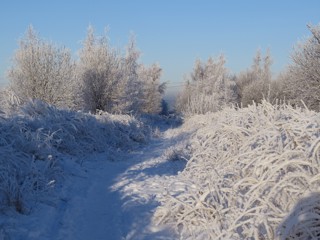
(254, 84)
(99, 74)
(302, 80)
(152, 89)
(42, 71)
(27, 168)
(200, 104)
(24, 180)
(80, 133)
(35, 138)
(102, 78)
(142, 90)
(115, 82)
(178, 152)
(209, 89)
(247, 171)
(9, 101)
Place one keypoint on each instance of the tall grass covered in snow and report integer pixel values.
(35, 137)
(254, 173)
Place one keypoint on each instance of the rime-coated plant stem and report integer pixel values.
(251, 170)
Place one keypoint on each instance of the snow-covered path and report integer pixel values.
(116, 199)
(93, 211)
(106, 196)
(105, 199)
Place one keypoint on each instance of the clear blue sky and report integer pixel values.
(171, 32)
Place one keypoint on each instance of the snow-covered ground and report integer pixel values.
(102, 199)
(250, 173)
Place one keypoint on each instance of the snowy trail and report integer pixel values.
(103, 199)
(92, 214)
(112, 200)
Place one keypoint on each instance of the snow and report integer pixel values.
(106, 195)
(239, 173)
(247, 171)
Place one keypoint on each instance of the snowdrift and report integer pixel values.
(37, 138)
(253, 173)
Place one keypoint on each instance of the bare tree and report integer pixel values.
(42, 71)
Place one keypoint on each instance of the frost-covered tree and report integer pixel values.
(132, 87)
(209, 88)
(140, 85)
(99, 73)
(184, 97)
(152, 88)
(116, 83)
(42, 71)
(254, 84)
(302, 81)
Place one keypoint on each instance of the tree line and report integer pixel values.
(108, 79)
(102, 78)
(210, 86)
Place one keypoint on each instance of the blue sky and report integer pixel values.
(171, 32)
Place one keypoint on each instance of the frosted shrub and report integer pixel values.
(152, 88)
(76, 132)
(42, 71)
(99, 73)
(200, 104)
(126, 130)
(180, 151)
(301, 81)
(9, 101)
(33, 139)
(247, 171)
(23, 178)
(255, 84)
(209, 88)
(115, 82)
